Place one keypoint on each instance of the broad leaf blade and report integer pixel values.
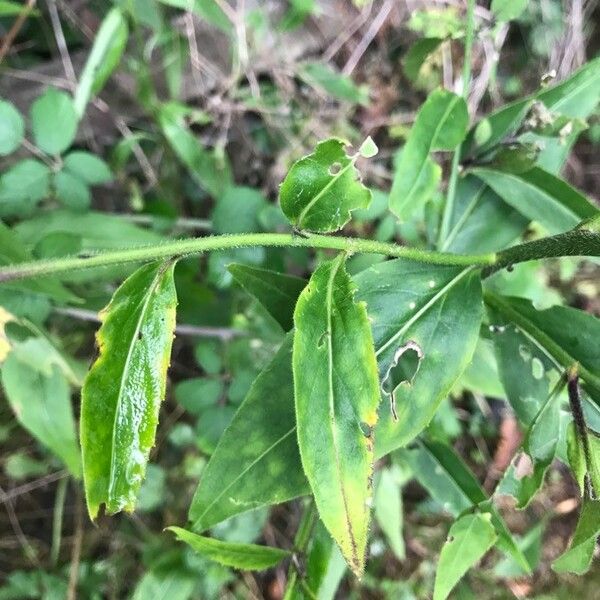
(469, 539)
(256, 461)
(121, 394)
(337, 393)
(249, 557)
(321, 189)
(109, 44)
(441, 124)
(436, 311)
(277, 292)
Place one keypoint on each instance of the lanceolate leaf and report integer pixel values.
(105, 55)
(578, 557)
(576, 96)
(321, 189)
(540, 196)
(42, 404)
(441, 124)
(468, 540)
(257, 460)
(249, 557)
(336, 392)
(121, 394)
(277, 292)
(211, 174)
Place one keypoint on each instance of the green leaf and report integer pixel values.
(23, 186)
(565, 345)
(468, 540)
(198, 393)
(540, 196)
(425, 322)
(208, 172)
(388, 511)
(12, 128)
(108, 47)
(237, 210)
(229, 483)
(525, 475)
(53, 121)
(322, 189)
(88, 167)
(277, 292)
(205, 9)
(481, 222)
(441, 124)
(576, 97)
(508, 10)
(438, 468)
(337, 85)
(256, 461)
(9, 9)
(248, 557)
(72, 191)
(325, 567)
(578, 557)
(334, 359)
(121, 395)
(417, 54)
(42, 404)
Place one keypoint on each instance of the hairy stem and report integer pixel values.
(185, 247)
(466, 76)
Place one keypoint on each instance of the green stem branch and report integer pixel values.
(185, 247)
(466, 77)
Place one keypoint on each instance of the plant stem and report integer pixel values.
(466, 77)
(185, 247)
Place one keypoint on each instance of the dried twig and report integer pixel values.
(16, 27)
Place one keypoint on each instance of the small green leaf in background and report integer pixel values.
(42, 404)
(53, 121)
(88, 167)
(198, 393)
(109, 44)
(208, 10)
(277, 292)
(441, 124)
(335, 84)
(210, 173)
(469, 538)
(337, 394)
(12, 128)
(248, 557)
(417, 54)
(121, 394)
(23, 186)
(388, 511)
(320, 190)
(507, 10)
(72, 192)
(9, 9)
(578, 556)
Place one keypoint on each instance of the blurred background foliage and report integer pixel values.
(206, 103)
